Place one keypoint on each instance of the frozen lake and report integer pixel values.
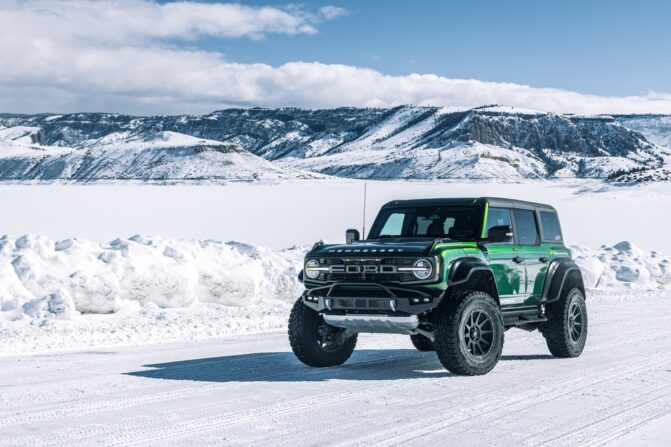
(301, 213)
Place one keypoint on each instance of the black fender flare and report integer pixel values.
(557, 275)
(463, 269)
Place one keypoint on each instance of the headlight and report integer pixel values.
(422, 269)
(312, 269)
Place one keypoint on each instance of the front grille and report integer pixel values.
(360, 303)
(373, 277)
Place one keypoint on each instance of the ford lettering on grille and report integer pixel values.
(358, 269)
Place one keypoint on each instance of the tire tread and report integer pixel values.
(305, 349)
(447, 343)
(555, 329)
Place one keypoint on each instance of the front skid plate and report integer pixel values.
(374, 323)
(403, 305)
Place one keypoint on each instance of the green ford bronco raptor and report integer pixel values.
(453, 274)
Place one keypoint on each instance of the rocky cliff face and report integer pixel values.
(403, 142)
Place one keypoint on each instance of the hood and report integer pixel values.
(373, 248)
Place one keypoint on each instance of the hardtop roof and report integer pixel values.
(469, 201)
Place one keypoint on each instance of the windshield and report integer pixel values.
(461, 223)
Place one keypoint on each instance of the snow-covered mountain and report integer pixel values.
(156, 156)
(657, 130)
(405, 142)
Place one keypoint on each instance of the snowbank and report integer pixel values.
(622, 265)
(74, 294)
(41, 278)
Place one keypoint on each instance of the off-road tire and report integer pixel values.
(421, 343)
(304, 338)
(557, 330)
(451, 344)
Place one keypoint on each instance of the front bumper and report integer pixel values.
(346, 298)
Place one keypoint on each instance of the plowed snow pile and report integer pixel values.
(75, 293)
(41, 278)
(622, 265)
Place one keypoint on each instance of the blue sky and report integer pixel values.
(600, 47)
(151, 56)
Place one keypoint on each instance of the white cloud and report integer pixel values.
(126, 56)
(332, 12)
(130, 20)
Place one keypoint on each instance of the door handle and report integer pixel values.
(544, 259)
(518, 259)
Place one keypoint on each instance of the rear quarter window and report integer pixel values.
(550, 226)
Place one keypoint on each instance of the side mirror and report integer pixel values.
(351, 236)
(502, 233)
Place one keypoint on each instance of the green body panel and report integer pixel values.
(519, 284)
(510, 276)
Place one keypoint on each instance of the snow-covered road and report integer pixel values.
(250, 390)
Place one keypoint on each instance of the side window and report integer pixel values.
(394, 225)
(550, 226)
(527, 230)
(497, 217)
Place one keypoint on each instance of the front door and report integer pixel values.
(506, 261)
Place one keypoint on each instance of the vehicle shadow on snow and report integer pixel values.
(365, 364)
(527, 357)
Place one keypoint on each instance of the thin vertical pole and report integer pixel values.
(363, 234)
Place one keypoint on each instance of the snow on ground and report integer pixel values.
(70, 294)
(251, 390)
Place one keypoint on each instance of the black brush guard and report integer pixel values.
(369, 298)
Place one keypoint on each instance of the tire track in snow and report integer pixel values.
(15, 416)
(206, 414)
(179, 394)
(57, 411)
(218, 423)
(494, 407)
(616, 422)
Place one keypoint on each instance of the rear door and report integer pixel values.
(535, 255)
(552, 244)
(506, 261)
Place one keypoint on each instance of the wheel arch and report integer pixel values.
(563, 275)
(471, 273)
